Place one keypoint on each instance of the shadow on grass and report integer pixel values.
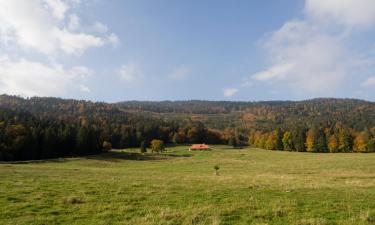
(55, 160)
(121, 155)
(108, 156)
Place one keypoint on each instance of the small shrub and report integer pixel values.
(216, 168)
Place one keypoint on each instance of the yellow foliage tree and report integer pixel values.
(271, 141)
(360, 142)
(157, 145)
(310, 141)
(287, 141)
(333, 145)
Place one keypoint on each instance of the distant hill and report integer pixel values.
(351, 112)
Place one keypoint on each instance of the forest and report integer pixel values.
(45, 127)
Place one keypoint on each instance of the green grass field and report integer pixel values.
(180, 187)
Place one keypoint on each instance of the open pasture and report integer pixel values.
(254, 186)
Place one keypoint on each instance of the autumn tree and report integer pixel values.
(251, 139)
(333, 145)
(361, 142)
(157, 145)
(316, 140)
(287, 141)
(274, 141)
(310, 141)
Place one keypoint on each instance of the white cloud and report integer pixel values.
(49, 27)
(370, 82)
(344, 12)
(57, 7)
(279, 71)
(311, 57)
(100, 27)
(113, 39)
(306, 59)
(130, 72)
(40, 26)
(229, 92)
(73, 22)
(84, 88)
(179, 74)
(77, 43)
(29, 78)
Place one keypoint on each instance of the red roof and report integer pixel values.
(199, 146)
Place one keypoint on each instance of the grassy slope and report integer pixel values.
(178, 187)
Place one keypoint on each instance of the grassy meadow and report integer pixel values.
(254, 186)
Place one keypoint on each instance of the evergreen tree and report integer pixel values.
(320, 141)
(83, 140)
(49, 143)
(279, 140)
(345, 140)
(371, 145)
(143, 147)
(298, 138)
(232, 141)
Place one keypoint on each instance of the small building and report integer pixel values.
(199, 147)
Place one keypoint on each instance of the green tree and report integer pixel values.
(143, 147)
(232, 141)
(320, 141)
(345, 140)
(83, 140)
(298, 138)
(279, 140)
(371, 145)
(49, 143)
(216, 168)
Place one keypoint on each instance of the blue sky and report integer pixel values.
(197, 49)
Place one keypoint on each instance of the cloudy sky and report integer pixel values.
(117, 50)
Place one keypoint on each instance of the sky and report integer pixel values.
(116, 50)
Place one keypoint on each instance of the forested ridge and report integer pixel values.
(39, 127)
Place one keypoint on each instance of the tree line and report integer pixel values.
(315, 139)
(37, 128)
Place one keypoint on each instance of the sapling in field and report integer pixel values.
(216, 168)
